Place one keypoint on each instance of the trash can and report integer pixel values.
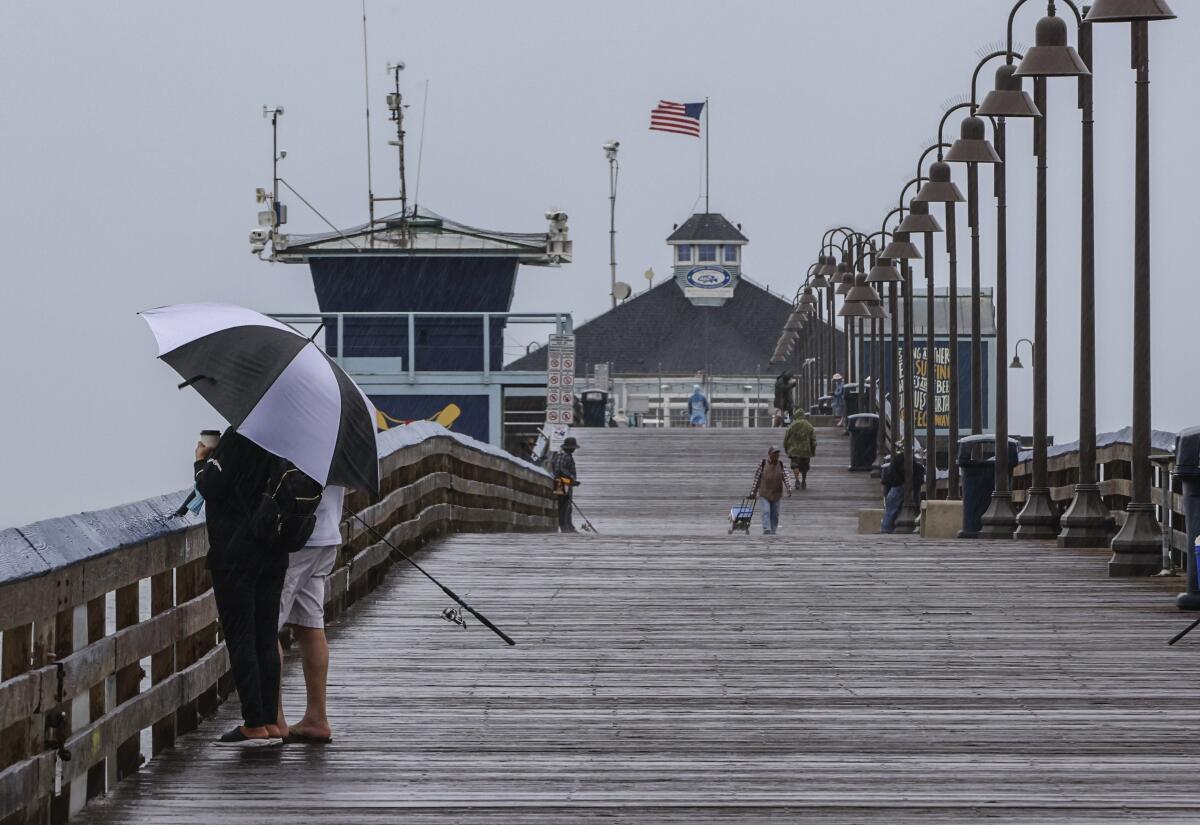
(1187, 470)
(595, 408)
(824, 406)
(977, 460)
(853, 395)
(864, 434)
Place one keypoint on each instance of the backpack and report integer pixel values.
(285, 516)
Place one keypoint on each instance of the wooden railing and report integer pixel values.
(1114, 459)
(109, 623)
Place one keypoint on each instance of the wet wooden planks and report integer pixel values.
(668, 672)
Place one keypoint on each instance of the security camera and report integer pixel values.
(556, 216)
(258, 240)
(611, 147)
(399, 64)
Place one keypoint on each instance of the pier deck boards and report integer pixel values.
(668, 673)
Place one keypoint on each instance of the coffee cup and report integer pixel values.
(210, 438)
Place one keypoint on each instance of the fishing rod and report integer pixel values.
(1184, 632)
(589, 525)
(482, 618)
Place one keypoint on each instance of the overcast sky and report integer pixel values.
(132, 140)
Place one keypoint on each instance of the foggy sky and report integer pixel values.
(132, 140)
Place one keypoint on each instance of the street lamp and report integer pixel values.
(919, 221)
(1007, 99)
(941, 189)
(1135, 546)
(903, 250)
(1016, 362)
(1051, 57)
(610, 152)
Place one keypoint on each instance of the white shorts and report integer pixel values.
(303, 600)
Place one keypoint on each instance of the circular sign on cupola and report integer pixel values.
(709, 277)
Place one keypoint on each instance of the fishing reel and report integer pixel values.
(455, 616)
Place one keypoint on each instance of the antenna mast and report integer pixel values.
(395, 103)
(367, 98)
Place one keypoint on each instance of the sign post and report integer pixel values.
(560, 389)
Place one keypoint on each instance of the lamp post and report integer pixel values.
(1051, 57)
(921, 222)
(1007, 99)
(1135, 546)
(610, 152)
(941, 189)
(902, 249)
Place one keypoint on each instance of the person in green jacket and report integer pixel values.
(800, 444)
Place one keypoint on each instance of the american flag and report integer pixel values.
(680, 118)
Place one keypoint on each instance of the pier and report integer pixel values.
(667, 671)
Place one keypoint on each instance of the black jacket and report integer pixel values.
(232, 480)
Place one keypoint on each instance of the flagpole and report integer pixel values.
(706, 155)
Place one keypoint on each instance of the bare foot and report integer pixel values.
(275, 732)
(256, 733)
(314, 730)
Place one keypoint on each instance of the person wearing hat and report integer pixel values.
(800, 443)
(770, 482)
(562, 467)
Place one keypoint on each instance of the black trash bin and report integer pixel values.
(864, 439)
(977, 460)
(853, 397)
(595, 408)
(824, 406)
(1187, 470)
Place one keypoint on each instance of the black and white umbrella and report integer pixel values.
(273, 385)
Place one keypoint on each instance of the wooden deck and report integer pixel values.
(668, 673)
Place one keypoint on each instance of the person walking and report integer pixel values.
(302, 607)
(784, 383)
(770, 482)
(566, 479)
(800, 444)
(838, 399)
(698, 407)
(247, 580)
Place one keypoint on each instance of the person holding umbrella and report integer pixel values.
(297, 420)
(247, 581)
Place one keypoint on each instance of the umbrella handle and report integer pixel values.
(194, 379)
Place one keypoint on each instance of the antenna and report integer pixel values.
(395, 102)
(367, 98)
(421, 148)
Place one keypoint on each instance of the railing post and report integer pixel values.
(341, 340)
(129, 752)
(412, 347)
(487, 347)
(162, 664)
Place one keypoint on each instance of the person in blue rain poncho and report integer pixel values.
(698, 408)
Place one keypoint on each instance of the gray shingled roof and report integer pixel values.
(661, 330)
(707, 226)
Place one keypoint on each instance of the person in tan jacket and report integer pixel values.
(770, 482)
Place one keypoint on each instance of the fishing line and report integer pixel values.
(482, 619)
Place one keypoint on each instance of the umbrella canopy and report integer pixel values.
(274, 386)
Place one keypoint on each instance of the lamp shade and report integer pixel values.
(901, 248)
(795, 321)
(862, 291)
(827, 267)
(918, 220)
(808, 299)
(1052, 57)
(1128, 11)
(939, 188)
(854, 309)
(840, 279)
(1008, 99)
(884, 272)
(972, 145)
(877, 311)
